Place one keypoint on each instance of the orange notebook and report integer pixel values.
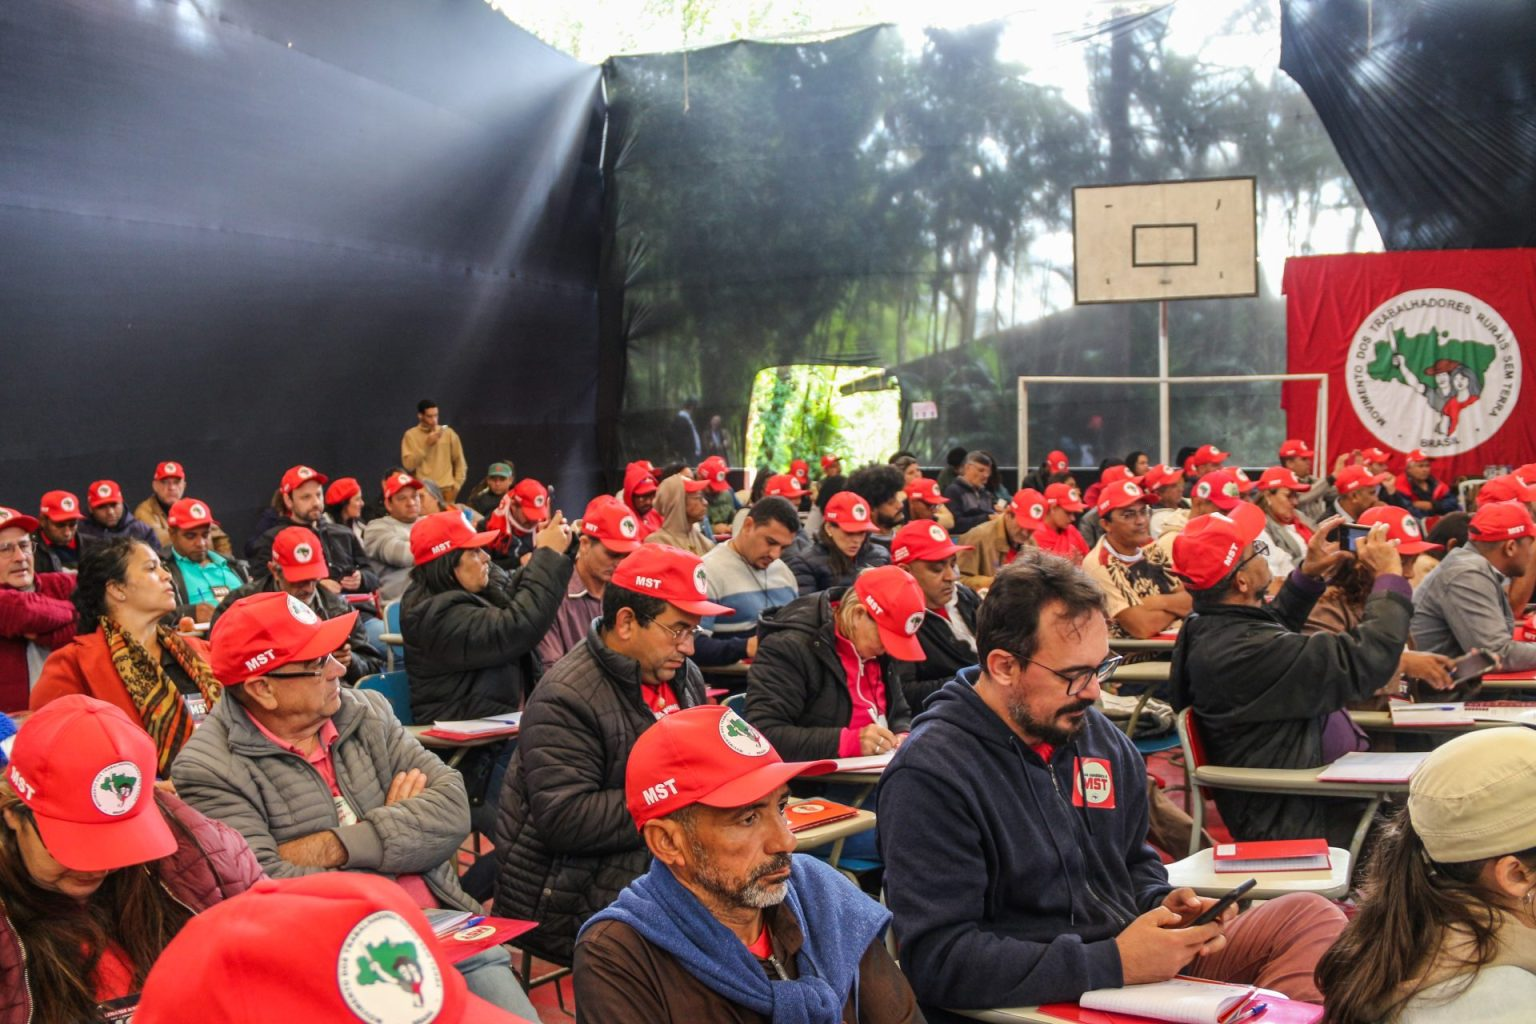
(810, 813)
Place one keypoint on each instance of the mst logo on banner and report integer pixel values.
(1422, 350)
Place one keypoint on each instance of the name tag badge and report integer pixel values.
(220, 593)
(1093, 783)
(197, 707)
(344, 813)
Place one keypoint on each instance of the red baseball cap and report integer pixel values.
(104, 492)
(712, 471)
(672, 574)
(1205, 552)
(397, 482)
(1295, 448)
(1221, 488)
(849, 513)
(1028, 506)
(1120, 494)
(1065, 496)
(895, 601)
(639, 478)
(1352, 478)
(10, 519)
(343, 488)
(1505, 488)
(1375, 455)
(1276, 477)
(1056, 462)
(1527, 473)
(300, 554)
(800, 469)
(266, 631)
(1525, 629)
(1159, 476)
(1401, 527)
(611, 523)
(1502, 520)
(926, 491)
(783, 486)
(921, 541)
(334, 946)
(692, 485)
(704, 755)
(170, 470)
(61, 506)
(1417, 455)
(532, 499)
(86, 771)
(1114, 474)
(298, 476)
(1207, 454)
(828, 461)
(189, 513)
(438, 534)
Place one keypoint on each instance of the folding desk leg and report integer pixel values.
(1196, 813)
(1361, 830)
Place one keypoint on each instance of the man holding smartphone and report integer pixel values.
(1461, 606)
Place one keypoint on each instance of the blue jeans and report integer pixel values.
(489, 975)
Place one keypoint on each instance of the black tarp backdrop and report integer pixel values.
(1432, 106)
(249, 233)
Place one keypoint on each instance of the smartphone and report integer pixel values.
(1220, 906)
(1348, 535)
(1471, 665)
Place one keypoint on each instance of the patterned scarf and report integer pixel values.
(161, 708)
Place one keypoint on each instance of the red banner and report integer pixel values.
(1422, 350)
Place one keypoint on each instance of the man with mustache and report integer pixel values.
(1032, 881)
(728, 926)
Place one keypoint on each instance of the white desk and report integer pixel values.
(1198, 872)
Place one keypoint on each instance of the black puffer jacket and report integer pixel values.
(813, 569)
(564, 838)
(797, 689)
(473, 655)
(343, 552)
(944, 655)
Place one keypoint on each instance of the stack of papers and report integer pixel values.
(1185, 1001)
(477, 728)
(874, 764)
(1369, 767)
(1521, 712)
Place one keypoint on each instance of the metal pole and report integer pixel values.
(1162, 381)
(1022, 458)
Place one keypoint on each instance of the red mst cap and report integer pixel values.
(298, 476)
(170, 470)
(1121, 494)
(1417, 455)
(1276, 477)
(926, 491)
(1114, 474)
(397, 482)
(704, 755)
(189, 513)
(1064, 496)
(1352, 478)
(783, 486)
(611, 523)
(800, 470)
(1028, 506)
(1401, 527)
(86, 771)
(1375, 455)
(712, 471)
(1159, 476)
(335, 947)
(300, 554)
(1525, 629)
(692, 485)
(672, 574)
(1503, 520)
(1056, 462)
(61, 506)
(443, 532)
(1296, 449)
(10, 519)
(342, 489)
(828, 461)
(1505, 488)
(105, 492)
(849, 513)
(896, 603)
(266, 631)
(1207, 454)
(1208, 548)
(921, 541)
(532, 499)
(1221, 488)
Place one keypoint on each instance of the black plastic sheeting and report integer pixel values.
(1432, 106)
(248, 233)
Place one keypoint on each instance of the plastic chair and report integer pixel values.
(396, 688)
(737, 702)
(392, 625)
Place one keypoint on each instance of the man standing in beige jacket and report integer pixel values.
(432, 451)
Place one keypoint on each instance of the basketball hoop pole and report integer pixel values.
(1162, 380)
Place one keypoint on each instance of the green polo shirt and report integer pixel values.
(210, 581)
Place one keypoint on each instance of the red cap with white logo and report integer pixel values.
(299, 553)
(1159, 476)
(86, 771)
(800, 470)
(1377, 455)
(397, 482)
(672, 574)
(1401, 527)
(1417, 455)
(1115, 474)
(1207, 454)
(923, 541)
(1065, 496)
(342, 489)
(849, 513)
(704, 755)
(1352, 478)
(532, 499)
(1208, 548)
(1277, 477)
(1028, 507)
(1525, 629)
(298, 476)
(1056, 462)
(712, 471)
(1503, 520)
(1296, 448)
(783, 486)
(1121, 494)
(828, 463)
(926, 491)
(896, 603)
(190, 513)
(611, 523)
(1221, 488)
(170, 471)
(10, 519)
(440, 533)
(266, 631)
(1505, 488)
(61, 506)
(105, 492)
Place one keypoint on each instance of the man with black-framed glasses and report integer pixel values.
(36, 614)
(1143, 597)
(1013, 827)
(563, 834)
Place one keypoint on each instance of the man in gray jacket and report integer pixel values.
(1461, 605)
(321, 778)
(387, 539)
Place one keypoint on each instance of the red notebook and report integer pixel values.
(492, 931)
(464, 737)
(1276, 855)
(810, 813)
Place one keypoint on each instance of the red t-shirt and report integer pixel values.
(114, 975)
(660, 699)
(762, 947)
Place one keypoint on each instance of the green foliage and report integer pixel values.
(799, 412)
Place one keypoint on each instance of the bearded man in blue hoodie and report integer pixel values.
(1032, 808)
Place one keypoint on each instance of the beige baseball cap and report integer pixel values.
(1475, 797)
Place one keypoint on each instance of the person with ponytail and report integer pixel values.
(1446, 931)
(99, 869)
(125, 655)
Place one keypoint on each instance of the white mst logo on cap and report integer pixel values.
(700, 580)
(116, 788)
(301, 611)
(387, 974)
(199, 511)
(1075, 494)
(914, 623)
(741, 737)
(304, 473)
(103, 490)
(1410, 526)
(302, 552)
(170, 469)
(628, 527)
(1203, 489)
(67, 504)
(1130, 490)
(860, 511)
(937, 533)
(538, 501)
(1037, 511)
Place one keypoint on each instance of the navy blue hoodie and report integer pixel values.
(1004, 893)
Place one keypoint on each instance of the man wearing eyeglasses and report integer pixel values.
(563, 833)
(36, 615)
(1013, 825)
(1142, 596)
(319, 777)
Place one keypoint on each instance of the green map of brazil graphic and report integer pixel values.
(1421, 351)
